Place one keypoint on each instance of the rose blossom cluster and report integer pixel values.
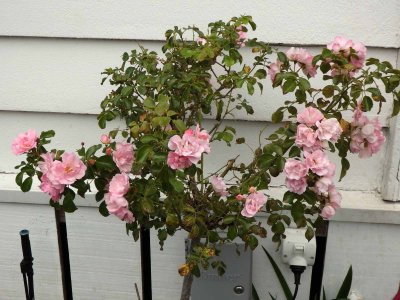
(343, 46)
(187, 150)
(313, 133)
(300, 55)
(253, 202)
(24, 142)
(56, 174)
(366, 135)
(115, 200)
(218, 185)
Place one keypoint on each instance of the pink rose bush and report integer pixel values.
(188, 148)
(152, 171)
(115, 200)
(24, 142)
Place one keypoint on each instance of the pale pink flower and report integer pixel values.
(301, 56)
(119, 185)
(340, 45)
(328, 212)
(310, 116)
(322, 185)
(331, 170)
(305, 136)
(177, 162)
(335, 198)
(24, 142)
(105, 139)
(366, 137)
(54, 190)
(252, 189)
(201, 41)
(296, 186)
(274, 69)
(123, 156)
(318, 163)
(118, 206)
(68, 170)
(253, 204)
(45, 165)
(361, 52)
(239, 197)
(218, 185)
(242, 36)
(295, 169)
(328, 130)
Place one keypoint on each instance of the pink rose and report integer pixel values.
(177, 162)
(305, 136)
(295, 169)
(366, 137)
(54, 190)
(340, 45)
(328, 212)
(118, 206)
(201, 41)
(24, 142)
(66, 171)
(361, 52)
(296, 186)
(253, 204)
(274, 69)
(328, 130)
(318, 163)
(123, 156)
(119, 185)
(242, 36)
(309, 116)
(301, 56)
(105, 139)
(218, 185)
(239, 197)
(335, 198)
(331, 170)
(45, 165)
(322, 185)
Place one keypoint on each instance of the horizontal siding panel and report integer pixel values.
(63, 75)
(71, 130)
(306, 22)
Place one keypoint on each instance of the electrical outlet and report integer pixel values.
(296, 250)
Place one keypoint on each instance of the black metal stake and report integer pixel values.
(27, 265)
(145, 256)
(63, 253)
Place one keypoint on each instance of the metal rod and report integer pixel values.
(27, 265)
(145, 256)
(63, 253)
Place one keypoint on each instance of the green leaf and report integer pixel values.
(367, 103)
(68, 202)
(26, 184)
(250, 88)
(228, 61)
(180, 125)
(143, 152)
(345, 167)
(47, 134)
(277, 116)
(103, 209)
(232, 232)
(92, 150)
(282, 57)
(300, 95)
(18, 178)
(105, 162)
(328, 91)
(304, 84)
(282, 281)
(177, 185)
(149, 103)
(309, 233)
(346, 285)
(289, 86)
(260, 74)
(396, 108)
(126, 91)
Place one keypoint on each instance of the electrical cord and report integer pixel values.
(297, 271)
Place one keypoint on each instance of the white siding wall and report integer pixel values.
(51, 57)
